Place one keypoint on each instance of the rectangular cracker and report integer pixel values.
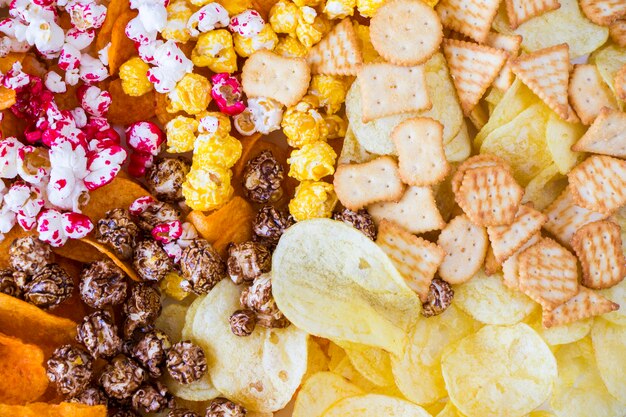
(506, 240)
(510, 44)
(588, 93)
(603, 12)
(585, 304)
(520, 11)
(606, 136)
(358, 185)
(599, 183)
(469, 17)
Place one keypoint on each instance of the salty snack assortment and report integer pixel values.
(313, 208)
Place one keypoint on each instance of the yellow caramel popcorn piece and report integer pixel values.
(192, 94)
(367, 49)
(134, 76)
(207, 187)
(223, 151)
(266, 39)
(284, 17)
(311, 26)
(368, 8)
(215, 50)
(313, 161)
(170, 285)
(310, 3)
(178, 13)
(303, 124)
(330, 90)
(223, 122)
(313, 200)
(338, 9)
(290, 47)
(181, 134)
(336, 126)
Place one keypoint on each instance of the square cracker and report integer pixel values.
(588, 93)
(476, 161)
(520, 11)
(358, 185)
(585, 304)
(469, 17)
(603, 12)
(606, 136)
(506, 240)
(416, 211)
(415, 258)
(599, 183)
(419, 143)
(266, 74)
(466, 246)
(510, 267)
(338, 53)
(388, 89)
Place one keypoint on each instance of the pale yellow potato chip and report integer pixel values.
(499, 371)
(609, 60)
(186, 331)
(543, 189)
(460, 146)
(354, 295)
(320, 391)
(172, 320)
(609, 346)
(200, 390)
(317, 361)
(560, 136)
(418, 371)
(489, 301)
(374, 405)
(373, 363)
(450, 411)
(541, 413)
(567, 24)
(617, 294)
(579, 390)
(269, 363)
(560, 335)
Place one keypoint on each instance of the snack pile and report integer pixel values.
(313, 208)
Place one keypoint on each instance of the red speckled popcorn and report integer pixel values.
(56, 228)
(248, 24)
(167, 232)
(145, 137)
(95, 101)
(104, 166)
(140, 205)
(139, 162)
(226, 92)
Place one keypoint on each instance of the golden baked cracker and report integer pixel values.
(473, 68)
(469, 17)
(599, 183)
(465, 245)
(489, 196)
(617, 31)
(586, 303)
(406, 32)
(415, 258)
(421, 157)
(606, 136)
(546, 73)
(603, 12)
(565, 217)
(599, 249)
(338, 53)
(588, 93)
(510, 267)
(510, 44)
(620, 83)
(476, 161)
(520, 11)
(266, 74)
(358, 185)
(416, 211)
(548, 273)
(492, 265)
(388, 89)
(506, 240)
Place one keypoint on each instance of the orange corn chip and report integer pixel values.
(120, 193)
(79, 251)
(121, 48)
(11, 125)
(53, 410)
(69, 99)
(115, 9)
(130, 271)
(125, 109)
(15, 233)
(7, 62)
(22, 371)
(263, 6)
(72, 308)
(7, 98)
(231, 223)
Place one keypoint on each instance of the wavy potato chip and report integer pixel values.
(115, 9)
(560, 335)
(200, 390)
(609, 346)
(418, 371)
(499, 371)
(261, 371)
(317, 361)
(579, 390)
(374, 405)
(22, 371)
(332, 281)
(320, 391)
(617, 294)
(560, 136)
(489, 301)
(543, 189)
(122, 48)
(172, 320)
(52, 410)
(609, 60)
(187, 330)
(373, 363)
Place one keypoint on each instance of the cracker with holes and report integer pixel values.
(585, 304)
(415, 258)
(603, 12)
(472, 18)
(520, 11)
(510, 44)
(620, 83)
(416, 211)
(406, 32)
(489, 196)
(421, 157)
(473, 69)
(548, 273)
(617, 31)
(338, 53)
(506, 240)
(588, 93)
(465, 245)
(476, 161)
(599, 183)
(388, 89)
(358, 185)
(266, 74)
(606, 136)
(510, 267)
(598, 246)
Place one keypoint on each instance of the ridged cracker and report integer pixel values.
(415, 258)
(520, 11)
(598, 246)
(585, 304)
(599, 183)
(469, 17)
(620, 83)
(617, 31)
(406, 32)
(603, 12)
(476, 161)
(506, 240)
(465, 245)
(588, 93)
(358, 185)
(510, 44)
(606, 136)
(510, 267)
(548, 273)
(338, 53)
(421, 157)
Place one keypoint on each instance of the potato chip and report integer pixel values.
(579, 390)
(22, 371)
(609, 60)
(354, 295)
(374, 405)
(560, 136)
(320, 391)
(317, 361)
(489, 301)
(499, 371)
(125, 109)
(352, 152)
(560, 335)
(53, 410)
(261, 371)
(543, 189)
(373, 363)
(460, 146)
(187, 330)
(122, 48)
(617, 294)
(418, 371)
(609, 346)
(200, 390)
(172, 320)
(450, 411)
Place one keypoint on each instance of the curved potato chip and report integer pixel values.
(125, 109)
(450, 411)
(187, 330)
(261, 371)
(617, 294)
(579, 390)
(560, 136)
(499, 371)
(332, 281)
(79, 251)
(172, 320)
(609, 60)
(200, 390)
(374, 405)
(372, 363)
(53, 410)
(22, 371)
(489, 301)
(122, 48)
(320, 391)
(124, 266)
(542, 190)
(561, 335)
(120, 193)
(609, 346)
(317, 361)
(115, 9)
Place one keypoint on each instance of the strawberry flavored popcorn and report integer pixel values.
(170, 62)
(79, 39)
(247, 24)
(56, 228)
(9, 149)
(103, 54)
(209, 17)
(95, 101)
(54, 82)
(26, 201)
(33, 164)
(103, 166)
(69, 59)
(140, 205)
(67, 189)
(15, 78)
(150, 20)
(36, 25)
(139, 162)
(167, 232)
(227, 92)
(8, 43)
(175, 248)
(86, 14)
(145, 137)
(80, 117)
(92, 69)
(7, 217)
